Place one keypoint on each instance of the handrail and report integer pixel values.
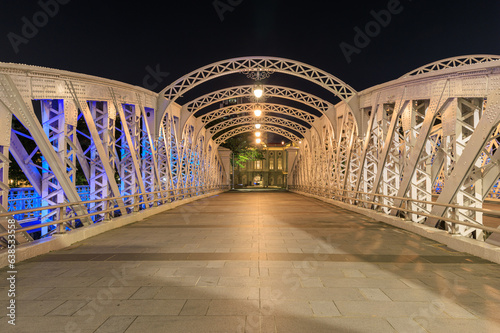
(142, 201)
(453, 221)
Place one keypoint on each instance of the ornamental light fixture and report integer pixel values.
(258, 90)
(257, 140)
(257, 126)
(257, 111)
(257, 134)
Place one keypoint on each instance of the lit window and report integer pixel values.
(258, 165)
(271, 164)
(280, 164)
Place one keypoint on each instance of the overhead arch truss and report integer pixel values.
(271, 120)
(454, 62)
(269, 91)
(249, 128)
(245, 64)
(265, 107)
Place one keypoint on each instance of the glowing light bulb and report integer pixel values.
(257, 126)
(258, 91)
(257, 140)
(282, 142)
(257, 112)
(257, 134)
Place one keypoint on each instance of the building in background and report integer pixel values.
(269, 172)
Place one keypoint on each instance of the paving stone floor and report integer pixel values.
(256, 262)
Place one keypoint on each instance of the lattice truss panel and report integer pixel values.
(61, 133)
(187, 151)
(345, 149)
(150, 174)
(126, 142)
(328, 146)
(421, 183)
(164, 154)
(317, 158)
(468, 114)
(370, 156)
(104, 120)
(390, 168)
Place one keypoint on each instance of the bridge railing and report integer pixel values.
(374, 202)
(138, 202)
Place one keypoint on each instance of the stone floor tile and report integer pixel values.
(374, 294)
(277, 262)
(116, 324)
(232, 307)
(195, 307)
(324, 309)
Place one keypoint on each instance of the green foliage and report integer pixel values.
(243, 150)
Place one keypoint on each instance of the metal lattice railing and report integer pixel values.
(111, 208)
(375, 202)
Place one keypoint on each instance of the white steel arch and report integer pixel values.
(250, 128)
(238, 65)
(453, 62)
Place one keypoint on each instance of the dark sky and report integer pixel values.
(119, 40)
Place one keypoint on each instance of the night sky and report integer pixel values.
(120, 41)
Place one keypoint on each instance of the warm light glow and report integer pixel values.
(282, 142)
(257, 112)
(257, 126)
(300, 141)
(258, 91)
(257, 140)
(257, 134)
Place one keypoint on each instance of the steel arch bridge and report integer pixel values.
(422, 147)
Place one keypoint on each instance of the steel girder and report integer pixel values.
(63, 139)
(435, 132)
(106, 153)
(23, 110)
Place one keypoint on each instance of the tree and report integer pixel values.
(243, 150)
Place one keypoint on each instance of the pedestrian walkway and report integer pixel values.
(256, 262)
